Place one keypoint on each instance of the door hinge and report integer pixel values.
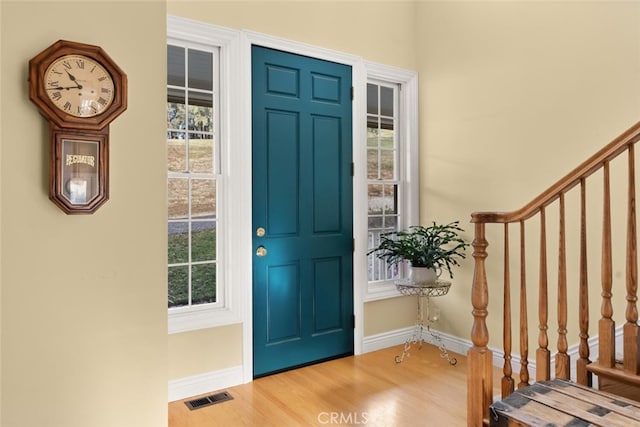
(352, 93)
(353, 245)
(353, 169)
(353, 321)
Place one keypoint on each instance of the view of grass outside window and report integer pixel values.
(383, 181)
(192, 172)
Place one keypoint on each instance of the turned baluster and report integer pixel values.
(524, 328)
(479, 357)
(583, 376)
(630, 329)
(606, 325)
(507, 379)
(563, 363)
(543, 356)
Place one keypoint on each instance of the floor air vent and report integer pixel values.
(201, 402)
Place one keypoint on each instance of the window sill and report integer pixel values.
(381, 290)
(192, 319)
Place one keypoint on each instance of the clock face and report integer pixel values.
(79, 86)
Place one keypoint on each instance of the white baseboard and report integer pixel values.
(211, 381)
(386, 339)
(461, 346)
(400, 336)
(183, 388)
(204, 383)
(572, 351)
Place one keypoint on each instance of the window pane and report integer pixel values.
(376, 199)
(178, 198)
(201, 115)
(203, 283)
(390, 199)
(200, 70)
(372, 99)
(178, 286)
(178, 242)
(176, 96)
(375, 222)
(378, 268)
(200, 153)
(387, 164)
(372, 164)
(203, 241)
(201, 99)
(372, 136)
(177, 152)
(203, 198)
(386, 101)
(176, 116)
(175, 66)
(386, 123)
(391, 222)
(200, 118)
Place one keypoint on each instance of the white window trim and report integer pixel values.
(187, 32)
(409, 152)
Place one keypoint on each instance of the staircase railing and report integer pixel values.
(480, 357)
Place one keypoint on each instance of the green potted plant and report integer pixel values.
(429, 250)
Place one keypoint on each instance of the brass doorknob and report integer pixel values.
(261, 251)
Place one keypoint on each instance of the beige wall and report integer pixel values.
(84, 320)
(513, 96)
(380, 31)
(1, 139)
(204, 350)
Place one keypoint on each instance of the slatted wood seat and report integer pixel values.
(562, 403)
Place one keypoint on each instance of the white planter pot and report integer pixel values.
(423, 276)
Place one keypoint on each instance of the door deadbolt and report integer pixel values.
(260, 232)
(261, 251)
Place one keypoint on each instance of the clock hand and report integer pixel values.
(73, 79)
(77, 86)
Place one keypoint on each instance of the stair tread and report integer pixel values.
(617, 372)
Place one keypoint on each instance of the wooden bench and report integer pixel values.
(563, 403)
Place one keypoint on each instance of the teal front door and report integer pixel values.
(302, 210)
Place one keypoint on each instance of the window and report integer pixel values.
(209, 142)
(383, 172)
(200, 58)
(193, 171)
(392, 166)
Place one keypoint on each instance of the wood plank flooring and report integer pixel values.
(370, 389)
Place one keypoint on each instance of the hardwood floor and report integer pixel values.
(371, 389)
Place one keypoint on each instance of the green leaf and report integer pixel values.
(434, 246)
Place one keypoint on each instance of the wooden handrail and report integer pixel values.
(480, 356)
(590, 166)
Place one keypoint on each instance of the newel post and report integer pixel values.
(479, 357)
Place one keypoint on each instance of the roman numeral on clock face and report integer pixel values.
(79, 85)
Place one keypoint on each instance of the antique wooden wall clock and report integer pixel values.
(80, 90)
